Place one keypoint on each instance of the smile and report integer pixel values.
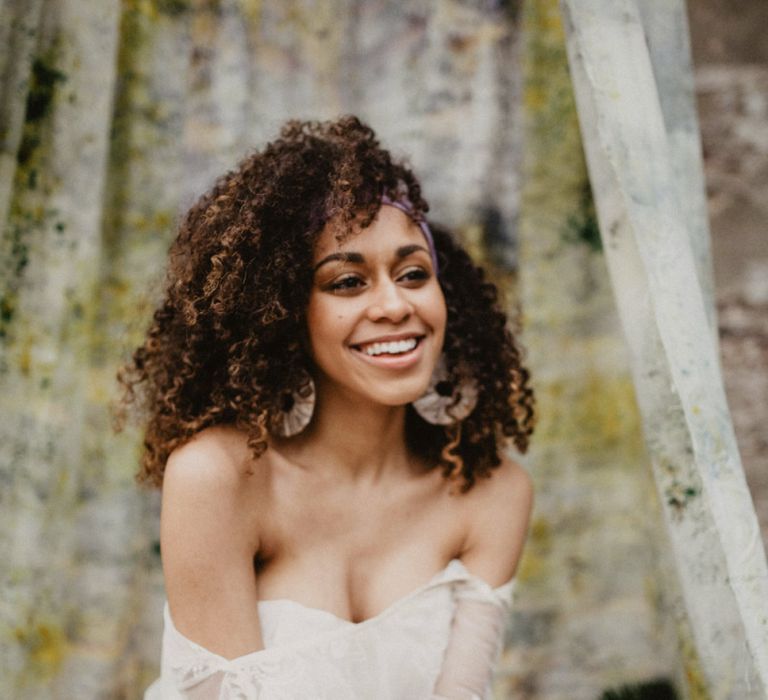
(393, 347)
(395, 353)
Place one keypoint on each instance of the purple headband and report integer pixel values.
(405, 206)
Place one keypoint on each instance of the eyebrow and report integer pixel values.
(357, 258)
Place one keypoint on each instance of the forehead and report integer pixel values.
(390, 230)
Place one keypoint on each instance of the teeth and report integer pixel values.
(395, 347)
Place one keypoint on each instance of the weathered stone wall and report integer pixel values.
(591, 587)
(730, 51)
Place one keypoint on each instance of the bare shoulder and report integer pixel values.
(208, 537)
(216, 455)
(499, 510)
(209, 470)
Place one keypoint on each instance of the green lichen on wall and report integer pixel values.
(128, 85)
(589, 552)
(695, 678)
(252, 12)
(557, 193)
(511, 8)
(45, 644)
(548, 96)
(153, 9)
(42, 88)
(594, 414)
(172, 8)
(678, 496)
(536, 562)
(29, 215)
(28, 219)
(582, 227)
(140, 116)
(132, 218)
(475, 238)
(564, 279)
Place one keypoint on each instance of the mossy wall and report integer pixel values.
(117, 115)
(592, 610)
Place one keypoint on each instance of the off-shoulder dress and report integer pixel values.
(440, 641)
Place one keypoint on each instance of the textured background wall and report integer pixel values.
(114, 116)
(730, 51)
(594, 613)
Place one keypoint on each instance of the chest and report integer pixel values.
(354, 553)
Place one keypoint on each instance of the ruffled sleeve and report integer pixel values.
(475, 642)
(191, 672)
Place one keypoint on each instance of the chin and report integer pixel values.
(400, 396)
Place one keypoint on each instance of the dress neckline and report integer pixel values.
(454, 566)
(453, 572)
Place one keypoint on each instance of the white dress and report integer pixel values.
(440, 641)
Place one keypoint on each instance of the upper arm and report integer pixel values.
(498, 521)
(207, 551)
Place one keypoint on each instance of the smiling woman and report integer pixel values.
(329, 387)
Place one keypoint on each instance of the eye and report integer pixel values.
(345, 284)
(414, 275)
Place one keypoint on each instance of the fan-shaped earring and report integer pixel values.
(446, 402)
(297, 410)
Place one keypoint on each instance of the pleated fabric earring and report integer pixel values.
(297, 408)
(446, 402)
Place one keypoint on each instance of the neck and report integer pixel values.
(353, 438)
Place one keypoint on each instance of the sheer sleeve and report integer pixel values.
(476, 639)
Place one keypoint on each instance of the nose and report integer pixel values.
(390, 303)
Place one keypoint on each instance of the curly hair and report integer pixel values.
(228, 342)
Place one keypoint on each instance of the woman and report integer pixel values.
(329, 384)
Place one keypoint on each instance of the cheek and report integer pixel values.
(315, 325)
(442, 332)
(326, 326)
(439, 315)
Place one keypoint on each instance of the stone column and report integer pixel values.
(647, 231)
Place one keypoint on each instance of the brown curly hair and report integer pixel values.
(228, 342)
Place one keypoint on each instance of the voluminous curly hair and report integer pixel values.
(228, 342)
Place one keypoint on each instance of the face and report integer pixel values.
(376, 315)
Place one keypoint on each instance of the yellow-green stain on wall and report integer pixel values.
(694, 675)
(536, 561)
(594, 413)
(153, 9)
(46, 646)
